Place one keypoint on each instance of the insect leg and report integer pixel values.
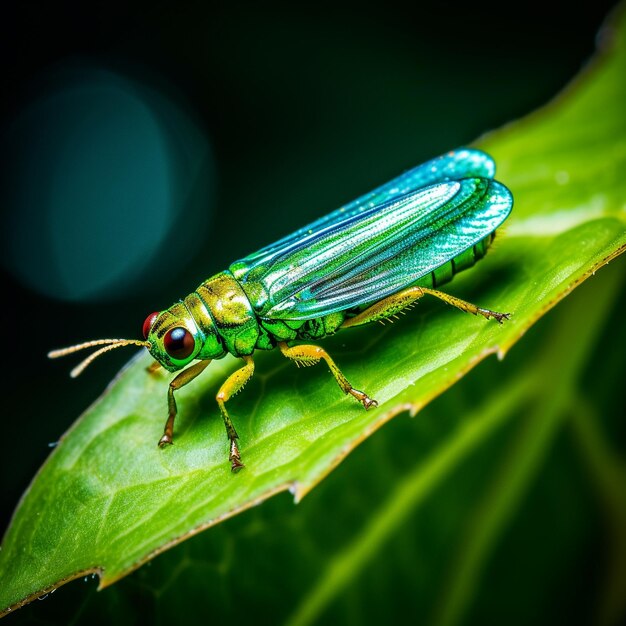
(233, 384)
(393, 304)
(310, 355)
(153, 368)
(468, 307)
(186, 376)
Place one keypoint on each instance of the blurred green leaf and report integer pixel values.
(108, 500)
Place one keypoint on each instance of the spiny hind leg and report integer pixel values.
(232, 385)
(468, 307)
(310, 355)
(390, 306)
(186, 376)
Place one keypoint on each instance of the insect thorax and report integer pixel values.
(225, 315)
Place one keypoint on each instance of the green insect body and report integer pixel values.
(365, 262)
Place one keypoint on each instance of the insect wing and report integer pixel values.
(377, 251)
(454, 165)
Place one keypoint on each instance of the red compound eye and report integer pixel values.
(147, 325)
(179, 343)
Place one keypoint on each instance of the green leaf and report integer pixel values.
(108, 500)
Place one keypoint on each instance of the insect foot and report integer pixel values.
(165, 441)
(234, 457)
(500, 317)
(364, 399)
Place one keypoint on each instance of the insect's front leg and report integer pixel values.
(153, 368)
(233, 384)
(309, 355)
(181, 380)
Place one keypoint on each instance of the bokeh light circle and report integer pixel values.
(100, 170)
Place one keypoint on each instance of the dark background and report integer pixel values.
(298, 108)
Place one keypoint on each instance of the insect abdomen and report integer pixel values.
(446, 272)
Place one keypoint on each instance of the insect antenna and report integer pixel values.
(109, 344)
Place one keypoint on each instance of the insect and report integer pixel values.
(362, 263)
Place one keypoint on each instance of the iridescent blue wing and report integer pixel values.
(373, 249)
(454, 165)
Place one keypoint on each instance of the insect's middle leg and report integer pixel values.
(233, 384)
(309, 355)
(186, 376)
(388, 307)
